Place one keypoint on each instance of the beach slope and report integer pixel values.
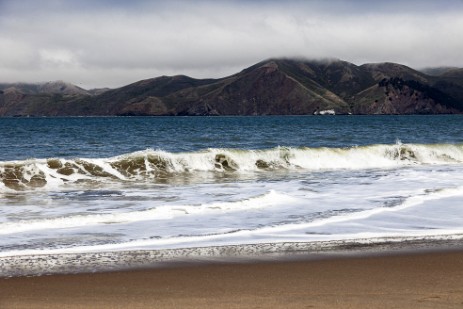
(420, 280)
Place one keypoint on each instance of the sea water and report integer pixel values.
(111, 184)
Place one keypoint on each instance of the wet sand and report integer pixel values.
(421, 280)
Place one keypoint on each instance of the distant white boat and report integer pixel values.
(325, 112)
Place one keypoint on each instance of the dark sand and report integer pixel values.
(424, 280)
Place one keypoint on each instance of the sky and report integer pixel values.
(103, 43)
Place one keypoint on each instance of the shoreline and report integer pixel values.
(110, 261)
(405, 280)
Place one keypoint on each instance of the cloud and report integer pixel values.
(112, 43)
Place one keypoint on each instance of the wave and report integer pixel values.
(157, 213)
(157, 164)
(276, 234)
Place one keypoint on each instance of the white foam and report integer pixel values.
(242, 161)
(408, 203)
(366, 194)
(374, 156)
(217, 240)
(159, 213)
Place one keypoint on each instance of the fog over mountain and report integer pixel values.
(97, 44)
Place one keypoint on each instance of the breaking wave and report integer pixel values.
(152, 165)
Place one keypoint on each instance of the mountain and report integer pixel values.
(55, 87)
(271, 87)
(437, 71)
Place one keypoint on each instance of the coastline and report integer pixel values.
(412, 279)
(36, 264)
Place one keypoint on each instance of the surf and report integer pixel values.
(155, 165)
(168, 212)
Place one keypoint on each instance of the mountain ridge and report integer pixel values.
(276, 86)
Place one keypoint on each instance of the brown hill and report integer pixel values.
(272, 87)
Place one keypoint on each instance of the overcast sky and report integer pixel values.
(113, 43)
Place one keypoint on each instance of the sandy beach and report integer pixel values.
(414, 280)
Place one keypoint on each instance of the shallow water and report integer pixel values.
(110, 184)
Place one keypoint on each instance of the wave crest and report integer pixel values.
(154, 165)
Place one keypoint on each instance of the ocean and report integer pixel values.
(87, 190)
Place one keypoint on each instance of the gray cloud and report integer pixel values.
(112, 43)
